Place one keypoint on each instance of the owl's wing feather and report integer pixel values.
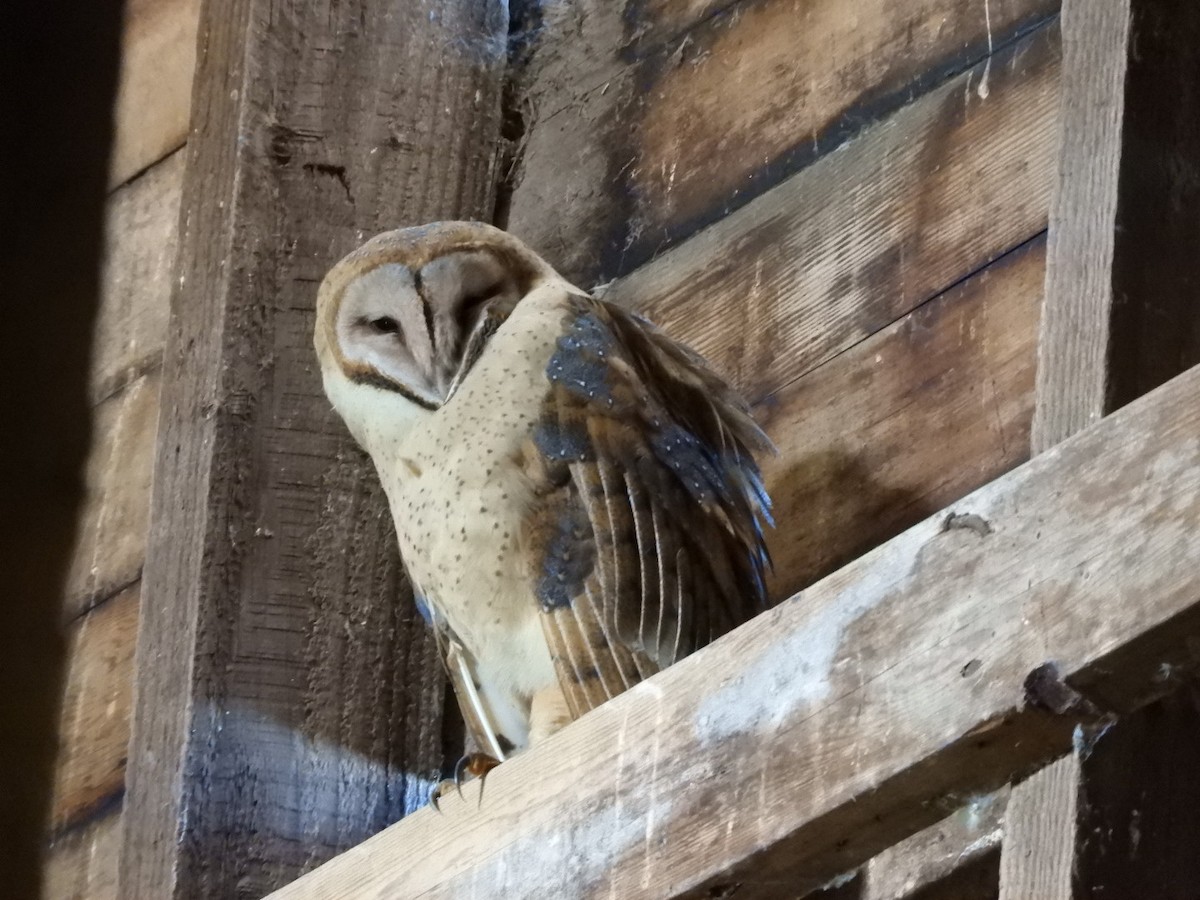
(478, 717)
(646, 541)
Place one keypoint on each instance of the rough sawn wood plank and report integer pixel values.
(289, 698)
(801, 744)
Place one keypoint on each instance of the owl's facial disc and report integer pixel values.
(408, 331)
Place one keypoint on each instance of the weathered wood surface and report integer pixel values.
(818, 734)
(644, 124)
(289, 698)
(154, 94)
(1039, 843)
(865, 235)
(1073, 382)
(110, 543)
(905, 422)
(1073, 349)
(1120, 318)
(82, 863)
(93, 735)
(140, 243)
(956, 859)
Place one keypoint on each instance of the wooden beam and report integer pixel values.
(1119, 319)
(93, 737)
(1073, 351)
(110, 546)
(649, 121)
(289, 699)
(849, 246)
(153, 106)
(1122, 273)
(141, 241)
(956, 859)
(903, 423)
(81, 864)
(960, 654)
(1039, 841)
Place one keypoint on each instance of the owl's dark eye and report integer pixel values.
(385, 325)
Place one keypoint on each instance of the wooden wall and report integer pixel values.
(103, 592)
(843, 205)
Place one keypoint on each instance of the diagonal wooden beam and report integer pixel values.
(289, 702)
(957, 656)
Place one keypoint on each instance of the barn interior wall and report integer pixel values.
(850, 225)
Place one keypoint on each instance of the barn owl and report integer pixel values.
(574, 493)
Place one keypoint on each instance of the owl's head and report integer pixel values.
(402, 318)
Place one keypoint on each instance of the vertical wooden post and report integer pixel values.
(289, 702)
(1120, 318)
(1039, 840)
(1072, 375)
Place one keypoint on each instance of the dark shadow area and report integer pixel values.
(829, 511)
(1156, 324)
(1139, 805)
(58, 65)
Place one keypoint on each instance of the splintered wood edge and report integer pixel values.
(832, 726)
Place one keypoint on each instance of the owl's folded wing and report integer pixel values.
(646, 539)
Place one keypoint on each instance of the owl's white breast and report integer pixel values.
(458, 498)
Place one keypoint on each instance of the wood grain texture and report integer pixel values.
(862, 237)
(93, 735)
(154, 93)
(955, 859)
(814, 736)
(1120, 318)
(82, 863)
(1039, 846)
(110, 543)
(634, 142)
(289, 699)
(903, 423)
(1074, 344)
(140, 243)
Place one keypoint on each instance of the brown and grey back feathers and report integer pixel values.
(647, 541)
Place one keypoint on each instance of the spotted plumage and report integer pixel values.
(575, 493)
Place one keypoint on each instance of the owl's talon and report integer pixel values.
(477, 764)
(437, 792)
